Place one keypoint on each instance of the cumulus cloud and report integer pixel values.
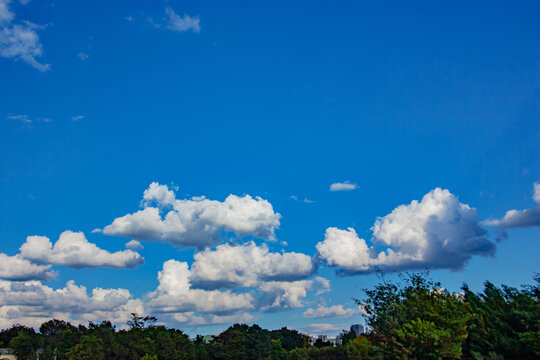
(32, 303)
(182, 23)
(436, 232)
(342, 186)
(521, 218)
(197, 221)
(332, 311)
(134, 245)
(73, 249)
(175, 294)
(248, 265)
(19, 269)
(19, 41)
(282, 295)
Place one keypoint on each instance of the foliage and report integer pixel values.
(505, 322)
(416, 319)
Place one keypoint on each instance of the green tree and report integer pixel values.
(359, 348)
(505, 322)
(241, 341)
(90, 347)
(416, 319)
(25, 344)
(290, 339)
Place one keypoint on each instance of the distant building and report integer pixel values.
(323, 338)
(358, 329)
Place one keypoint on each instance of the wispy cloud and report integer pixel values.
(343, 186)
(77, 117)
(83, 56)
(306, 200)
(27, 120)
(20, 41)
(182, 23)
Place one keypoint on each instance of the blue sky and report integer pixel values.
(98, 100)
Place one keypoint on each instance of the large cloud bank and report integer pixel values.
(436, 232)
(196, 222)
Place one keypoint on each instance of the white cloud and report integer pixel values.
(27, 120)
(437, 232)
(73, 249)
(83, 56)
(32, 303)
(342, 186)
(77, 117)
(19, 41)
(17, 268)
(185, 23)
(6, 15)
(175, 294)
(159, 194)
(247, 265)
(282, 295)
(332, 311)
(521, 218)
(195, 222)
(323, 328)
(134, 245)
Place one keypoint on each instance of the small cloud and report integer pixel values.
(306, 200)
(25, 119)
(83, 56)
(77, 117)
(485, 194)
(343, 186)
(96, 230)
(520, 218)
(129, 18)
(185, 23)
(134, 245)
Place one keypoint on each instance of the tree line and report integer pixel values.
(413, 318)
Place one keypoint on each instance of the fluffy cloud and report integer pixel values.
(32, 303)
(332, 311)
(185, 23)
(175, 294)
(73, 249)
(248, 265)
(134, 245)
(282, 295)
(18, 269)
(521, 218)
(19, 41)
(197, 221)
(342, 186)
(437, 232)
